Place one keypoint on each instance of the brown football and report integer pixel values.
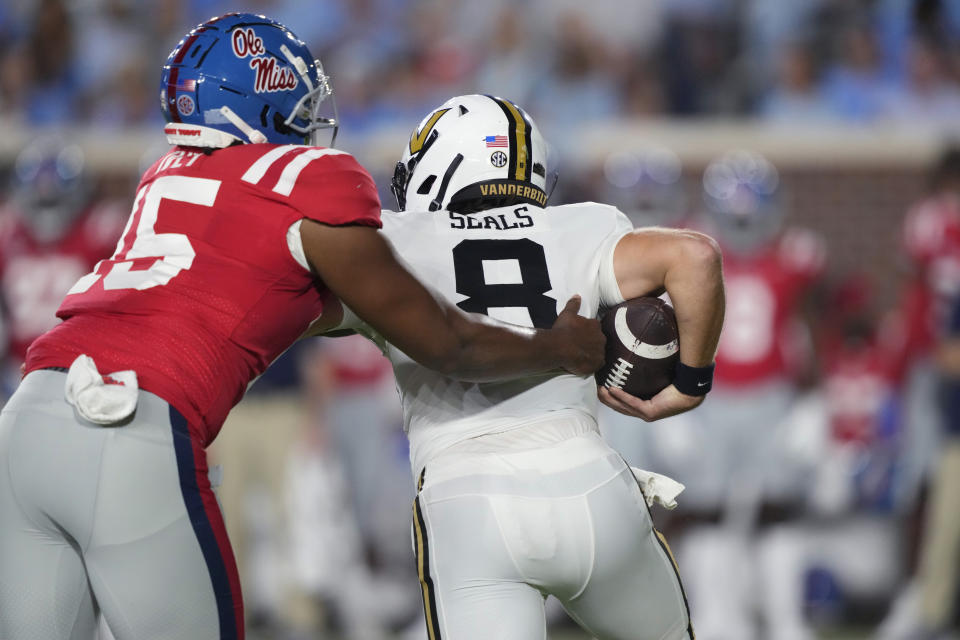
(642, 346)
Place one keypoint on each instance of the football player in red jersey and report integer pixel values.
(204, 290)
(733, 455)
(846, 533)
(51, 233)
(931, 240)
(767, 272)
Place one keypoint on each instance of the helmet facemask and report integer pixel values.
(403, 172)
(309, 107)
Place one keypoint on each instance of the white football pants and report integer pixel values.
(495, 533)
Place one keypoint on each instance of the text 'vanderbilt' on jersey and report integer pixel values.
(518, 495)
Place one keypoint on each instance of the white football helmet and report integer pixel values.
(473, 153)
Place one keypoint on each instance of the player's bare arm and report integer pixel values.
(433, 332)
(688, 266)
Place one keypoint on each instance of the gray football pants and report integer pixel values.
(491, 546)
(120, 520)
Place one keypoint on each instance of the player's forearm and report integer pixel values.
(476, 348)
(438, 335)
(694, 281)
(470, 346)
(489, 350)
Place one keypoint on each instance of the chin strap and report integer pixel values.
(252, 134)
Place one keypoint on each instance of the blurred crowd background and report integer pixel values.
(813, 138)
(94, 61)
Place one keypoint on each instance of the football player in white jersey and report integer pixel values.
(519, 497)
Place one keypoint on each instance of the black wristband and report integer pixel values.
(693, 381)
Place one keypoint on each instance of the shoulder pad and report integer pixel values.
(326, 185)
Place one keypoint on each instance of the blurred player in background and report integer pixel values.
(646, 184)
(107, 501)
(931, 239)
(518, 495)
(252, 493)
(840, 550)
(366, 430)
(931, 242)
(52, 231)
(939, 571)
(738, 453)
(350, 492)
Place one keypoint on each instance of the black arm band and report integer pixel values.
(693, 381)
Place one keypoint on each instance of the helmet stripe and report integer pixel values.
(511, 138)
(172, 80)
(518, 133)
(172, 94)
(185, 48)
(524, 152)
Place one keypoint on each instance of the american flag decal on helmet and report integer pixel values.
(496, 141)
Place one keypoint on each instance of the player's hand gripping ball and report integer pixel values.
(643, 347)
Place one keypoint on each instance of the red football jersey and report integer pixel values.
(356, 362)
(858, 381)
(202, 292)
(931, 239)
(760, 338)
(931, 229)
(34, 276)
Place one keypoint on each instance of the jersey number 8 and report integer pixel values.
(505, 274)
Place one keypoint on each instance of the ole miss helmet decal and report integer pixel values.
(269, 76)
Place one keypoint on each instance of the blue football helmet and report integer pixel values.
(742, 192)
(646, 184)
(244, 77)
(49, 188)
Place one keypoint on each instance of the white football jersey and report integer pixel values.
(518, 264)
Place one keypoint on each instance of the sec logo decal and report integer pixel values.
(185, 105)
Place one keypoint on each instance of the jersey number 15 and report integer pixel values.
(163, 255)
